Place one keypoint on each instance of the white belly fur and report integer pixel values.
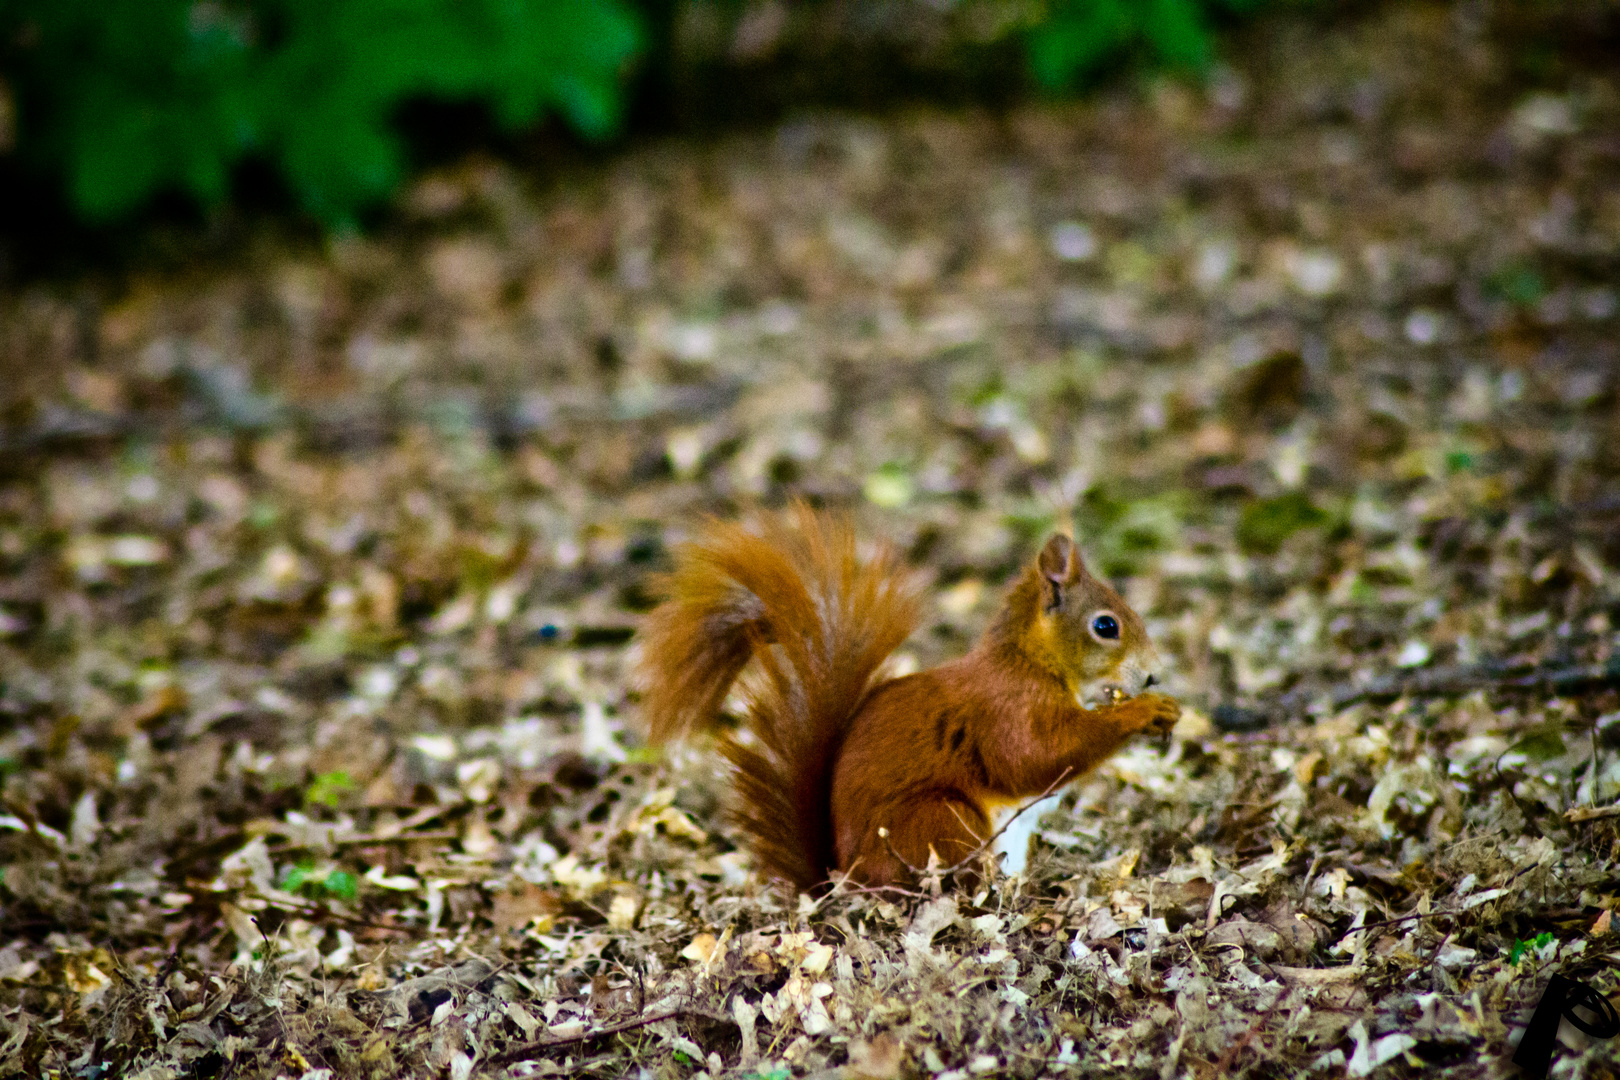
(1014, 843)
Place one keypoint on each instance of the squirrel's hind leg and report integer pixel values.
(950, 825)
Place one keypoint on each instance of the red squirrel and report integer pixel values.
(843, 769)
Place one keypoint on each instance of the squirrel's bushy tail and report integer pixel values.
(821, 621)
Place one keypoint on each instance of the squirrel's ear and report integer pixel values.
(1059, 561)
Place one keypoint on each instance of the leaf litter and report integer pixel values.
(319, 574)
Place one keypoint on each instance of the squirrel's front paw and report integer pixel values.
(1157, 714)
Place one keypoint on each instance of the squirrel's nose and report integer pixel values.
(1150, 680)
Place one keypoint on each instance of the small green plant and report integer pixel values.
(1533, 945)
(890, 486)
(1078, 37)
(127, 98)
(305, 877)
(330, 788)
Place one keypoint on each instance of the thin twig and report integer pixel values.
(517, 1053)
(844, 885)
(990, 840)
(1396, 922)
(397, 838)
(1431, 914)
(956, 812)
(883, 835)
(1305, 887)
(985, 845)
(1224, 1065)
(1452, 680)
(1592, 813)
(869, 890)
(316, 911)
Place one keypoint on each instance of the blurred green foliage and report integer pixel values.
(126, 98)
(1267, 523)
(1077, 37)
(1120, 532)
(1518, 283)
(1542, 742)
(330, 788)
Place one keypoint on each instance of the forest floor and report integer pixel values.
(319, 572)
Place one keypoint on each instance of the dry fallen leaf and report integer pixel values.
(880, 1058)
(523, 905)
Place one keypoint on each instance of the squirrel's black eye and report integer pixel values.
(1105, 626)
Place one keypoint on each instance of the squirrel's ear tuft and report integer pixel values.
(1059, 561)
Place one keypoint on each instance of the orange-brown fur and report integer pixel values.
(837, 754)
